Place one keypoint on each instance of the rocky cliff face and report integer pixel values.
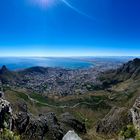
(135, 111)
(72, 122)
(40, 127)
(130, 70)
(5, 114)
(122, 119)
(7, 76)
(114, 121)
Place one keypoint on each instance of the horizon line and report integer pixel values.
(76, 56)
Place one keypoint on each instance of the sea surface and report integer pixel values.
(17, 63)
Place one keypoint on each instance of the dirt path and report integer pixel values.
(71, 107)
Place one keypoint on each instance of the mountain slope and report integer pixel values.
(7, 76)
(104, 112)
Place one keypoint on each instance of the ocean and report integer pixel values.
(17, 63)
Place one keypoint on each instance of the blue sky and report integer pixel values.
(69, 28)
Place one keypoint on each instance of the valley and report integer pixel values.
(99, 113)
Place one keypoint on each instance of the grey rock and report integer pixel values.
(114, 121)
(1, 94)
(22, 106)
(38, 127)
(72, 122)
(71, 135)
(22, 121)
(135, 111)
(5, 114)
(54, 130)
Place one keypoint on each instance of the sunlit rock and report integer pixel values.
(71, 135)
(135, 111)
(5, 114)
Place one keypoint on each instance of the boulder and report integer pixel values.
(71, 135)
(72, 122)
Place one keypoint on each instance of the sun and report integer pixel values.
(43, 3)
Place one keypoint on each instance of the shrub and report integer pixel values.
(6, 134)
(128, 132)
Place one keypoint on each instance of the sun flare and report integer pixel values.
(50, 3)
(43, 3)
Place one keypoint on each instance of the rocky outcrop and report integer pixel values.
(22, 106)
(135, 111)
(5, 114)
(21, 122)
(72, 122)
(54, 130)
(71, 135)
(36, 129)
(1, 94)
(39, 127)
(1, 85)
(114, 121)
(130, 70)
(7, 76)
(42, 126)
(4, 70)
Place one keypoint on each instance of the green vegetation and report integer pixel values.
(91, 87)
(22, 95)
(6, 134)
(38, 97)
(137, 135)
(128, 132)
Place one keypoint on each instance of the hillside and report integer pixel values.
(130, 70)
(109, 111)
